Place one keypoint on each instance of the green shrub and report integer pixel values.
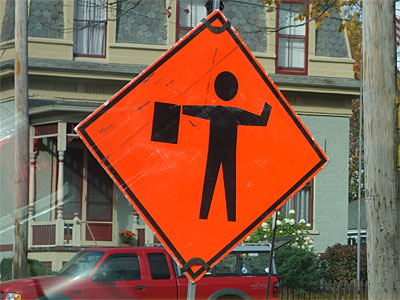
(298, 269)
(35, 269)
(340, 263)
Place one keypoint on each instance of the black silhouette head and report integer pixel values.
(226, 86)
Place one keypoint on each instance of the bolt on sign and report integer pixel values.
(203, 144)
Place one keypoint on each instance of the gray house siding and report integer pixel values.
(328, 40)
(253, 30)
(331, 184)
(7, 26)
(142, 22)
(46, 19)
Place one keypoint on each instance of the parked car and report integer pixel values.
(147, 273)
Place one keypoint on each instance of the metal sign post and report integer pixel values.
(271, 253)
(216, 4)
(191, 290)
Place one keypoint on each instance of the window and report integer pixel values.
(81, 264)
(73, 168)
(291, 41)
(90, 20)
(158, 266)
(120, 267)
(190, 13)
(247, 263)
(302, 203)
(254, 263)
(227, 266)
(99, 192)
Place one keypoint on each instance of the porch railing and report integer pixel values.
(43, 234)
(55, 233)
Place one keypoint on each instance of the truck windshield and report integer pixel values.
(81, 264)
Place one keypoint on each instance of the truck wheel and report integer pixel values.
(229, 294)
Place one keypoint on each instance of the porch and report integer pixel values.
(73, 203)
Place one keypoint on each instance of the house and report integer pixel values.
(81, 52)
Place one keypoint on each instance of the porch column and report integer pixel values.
(135, 226)
(61, 148)
(31, 205)
(32, 178)
(135, 217)
(76, 231)
(60, 186)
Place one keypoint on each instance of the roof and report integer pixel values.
(252, 248)
(130, 70)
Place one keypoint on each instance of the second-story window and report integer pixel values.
(291, 39)
(190, 13)
(90, 20)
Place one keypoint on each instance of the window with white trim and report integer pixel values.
(291, 39)
(90, 22)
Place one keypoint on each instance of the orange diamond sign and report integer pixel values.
(203, 145)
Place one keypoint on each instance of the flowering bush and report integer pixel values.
(285, 227)
(126, 236)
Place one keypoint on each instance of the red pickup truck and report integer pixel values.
(147, 273)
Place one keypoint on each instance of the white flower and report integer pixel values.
(303, 247)
(264, 225)
(286, 220)
(280, 231)
(295, 244)
(302, 221)
(298, 231)
(279, 213)
(278, 222)
(310, 247)
(292, 222)
(292, 211)
(308, 225)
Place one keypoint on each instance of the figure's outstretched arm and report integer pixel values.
(250, 119)
(199, 111)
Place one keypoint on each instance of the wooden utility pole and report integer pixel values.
(381, 140)
(21, 140)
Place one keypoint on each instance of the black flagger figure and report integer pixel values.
(224, 121)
